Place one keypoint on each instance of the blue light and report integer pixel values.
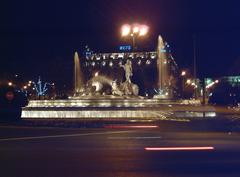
(125, 47)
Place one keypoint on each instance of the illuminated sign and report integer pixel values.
(125, 48)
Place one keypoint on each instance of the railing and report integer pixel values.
(113, 56)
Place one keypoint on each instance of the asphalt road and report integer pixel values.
(118, 151)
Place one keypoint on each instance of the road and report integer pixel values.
(118, 151)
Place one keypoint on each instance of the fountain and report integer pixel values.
(96, 84)
(163, 71)
(78, 77)
(114, 94)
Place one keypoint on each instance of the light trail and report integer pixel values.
(131, 126)
(179, 148)
(136, 137)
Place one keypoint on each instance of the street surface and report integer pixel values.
(119, 150)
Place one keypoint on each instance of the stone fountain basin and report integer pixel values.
(113, 108)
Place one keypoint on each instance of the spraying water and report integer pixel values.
(162, 65)
(78, 79)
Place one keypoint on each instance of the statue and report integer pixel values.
(128, 70)
(96, 84)
(115, 89)
(127, 87)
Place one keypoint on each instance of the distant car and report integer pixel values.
(11, 103)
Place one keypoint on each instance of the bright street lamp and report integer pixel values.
(134, 31)
(143, 30)
(126, 29)
(183, 73)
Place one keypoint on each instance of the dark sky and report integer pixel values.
(40, 37)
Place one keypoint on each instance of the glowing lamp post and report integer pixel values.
(10, 83)
(134, 31)
(183, 74)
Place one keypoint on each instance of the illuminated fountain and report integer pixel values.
(163, 71)
(95, 85)
(78, 77)
(110, 89)
(96, 64)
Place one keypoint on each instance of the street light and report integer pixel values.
(188, 81)
(126, 29)
(134, 31)
(183, 74)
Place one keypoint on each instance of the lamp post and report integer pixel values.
(183, 74)
(195, 65)
(134, 31)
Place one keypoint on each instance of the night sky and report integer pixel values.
(40, 37)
